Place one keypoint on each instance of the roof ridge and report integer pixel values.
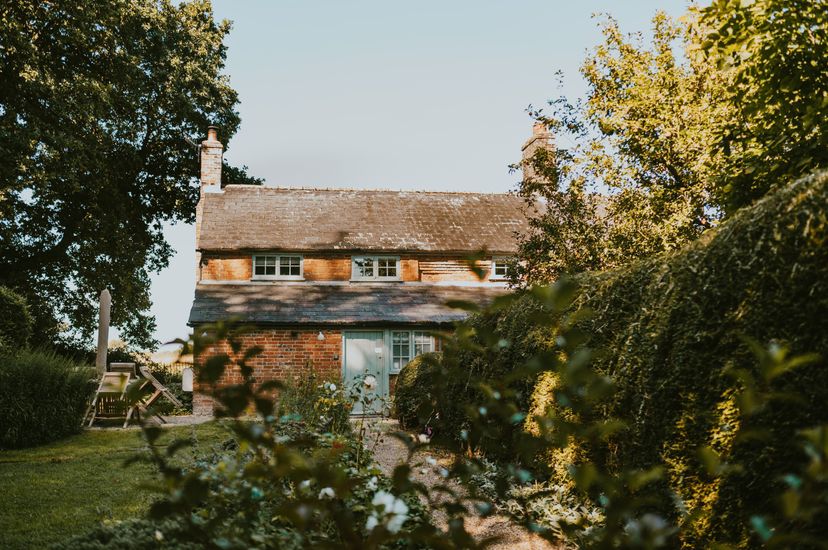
(372, 190)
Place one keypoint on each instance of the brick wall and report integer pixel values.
(238, 267)
(287, 354)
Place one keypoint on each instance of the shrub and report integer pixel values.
(413, 403)
(15, 321)
(43, 397)
(320, 403)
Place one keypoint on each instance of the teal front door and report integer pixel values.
(364, 370)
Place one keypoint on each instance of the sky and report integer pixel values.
(387, 94)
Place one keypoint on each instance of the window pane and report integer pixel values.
(387, 267)
(423, 343)
(289, 266)
(364, 267)
(501, 267)
(400, 350)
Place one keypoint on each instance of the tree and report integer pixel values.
(775, 53)
(643, 137)
(95, 100)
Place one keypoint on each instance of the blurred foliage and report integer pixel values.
(96, 99)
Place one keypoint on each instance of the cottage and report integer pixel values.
(347, 282)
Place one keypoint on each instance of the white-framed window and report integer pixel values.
(406, 345)
(278, 266)
(500, 268)
(375, 268)
(400, 349)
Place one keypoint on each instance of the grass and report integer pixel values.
(65, 488)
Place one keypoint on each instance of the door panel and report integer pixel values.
(364, 357)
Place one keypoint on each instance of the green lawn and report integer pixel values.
(62, 489)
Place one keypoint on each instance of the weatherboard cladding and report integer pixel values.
(332, 304)
(246, 217)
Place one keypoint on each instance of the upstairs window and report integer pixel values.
(374, 268)
(500, 268)
(288, 267)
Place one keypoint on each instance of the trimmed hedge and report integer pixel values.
(411, 390)
(43, 397)
(15, 321)
(665, 329)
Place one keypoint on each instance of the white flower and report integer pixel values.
(159, 535)
(370, 382)
(431, 461)
(392, 510)
(423, 438)
(332, 387)
(305, 484)
(327, 492)
(372, 484)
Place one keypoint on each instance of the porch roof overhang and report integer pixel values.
(354, 304)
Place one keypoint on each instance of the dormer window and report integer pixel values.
(375, 268)
(500, 268)
(278, 267)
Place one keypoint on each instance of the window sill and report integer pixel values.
(377, 280)
(276, 278)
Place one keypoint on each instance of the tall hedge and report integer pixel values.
(669, 326)
(43, 397)
(666, 328)
(15, 320)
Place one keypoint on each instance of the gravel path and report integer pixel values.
(390, 451)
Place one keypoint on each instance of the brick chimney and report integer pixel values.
(211, 151)
(541, 139)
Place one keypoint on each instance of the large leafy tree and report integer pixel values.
(96, 97)
(720, 107)
(635, 178)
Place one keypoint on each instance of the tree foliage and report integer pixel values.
(774, 52)
(95, 101)
(644, 133)
(677, 133)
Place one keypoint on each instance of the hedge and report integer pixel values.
(43, 397)
(15, 320)
(666, 328)
(412, 400)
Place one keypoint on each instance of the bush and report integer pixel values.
(320, 403)
(669, 330)
(414, 405)
(15, 321)
(43, 397)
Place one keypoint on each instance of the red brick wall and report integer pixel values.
(287, 354)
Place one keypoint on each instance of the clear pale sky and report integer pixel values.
(389, 94)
